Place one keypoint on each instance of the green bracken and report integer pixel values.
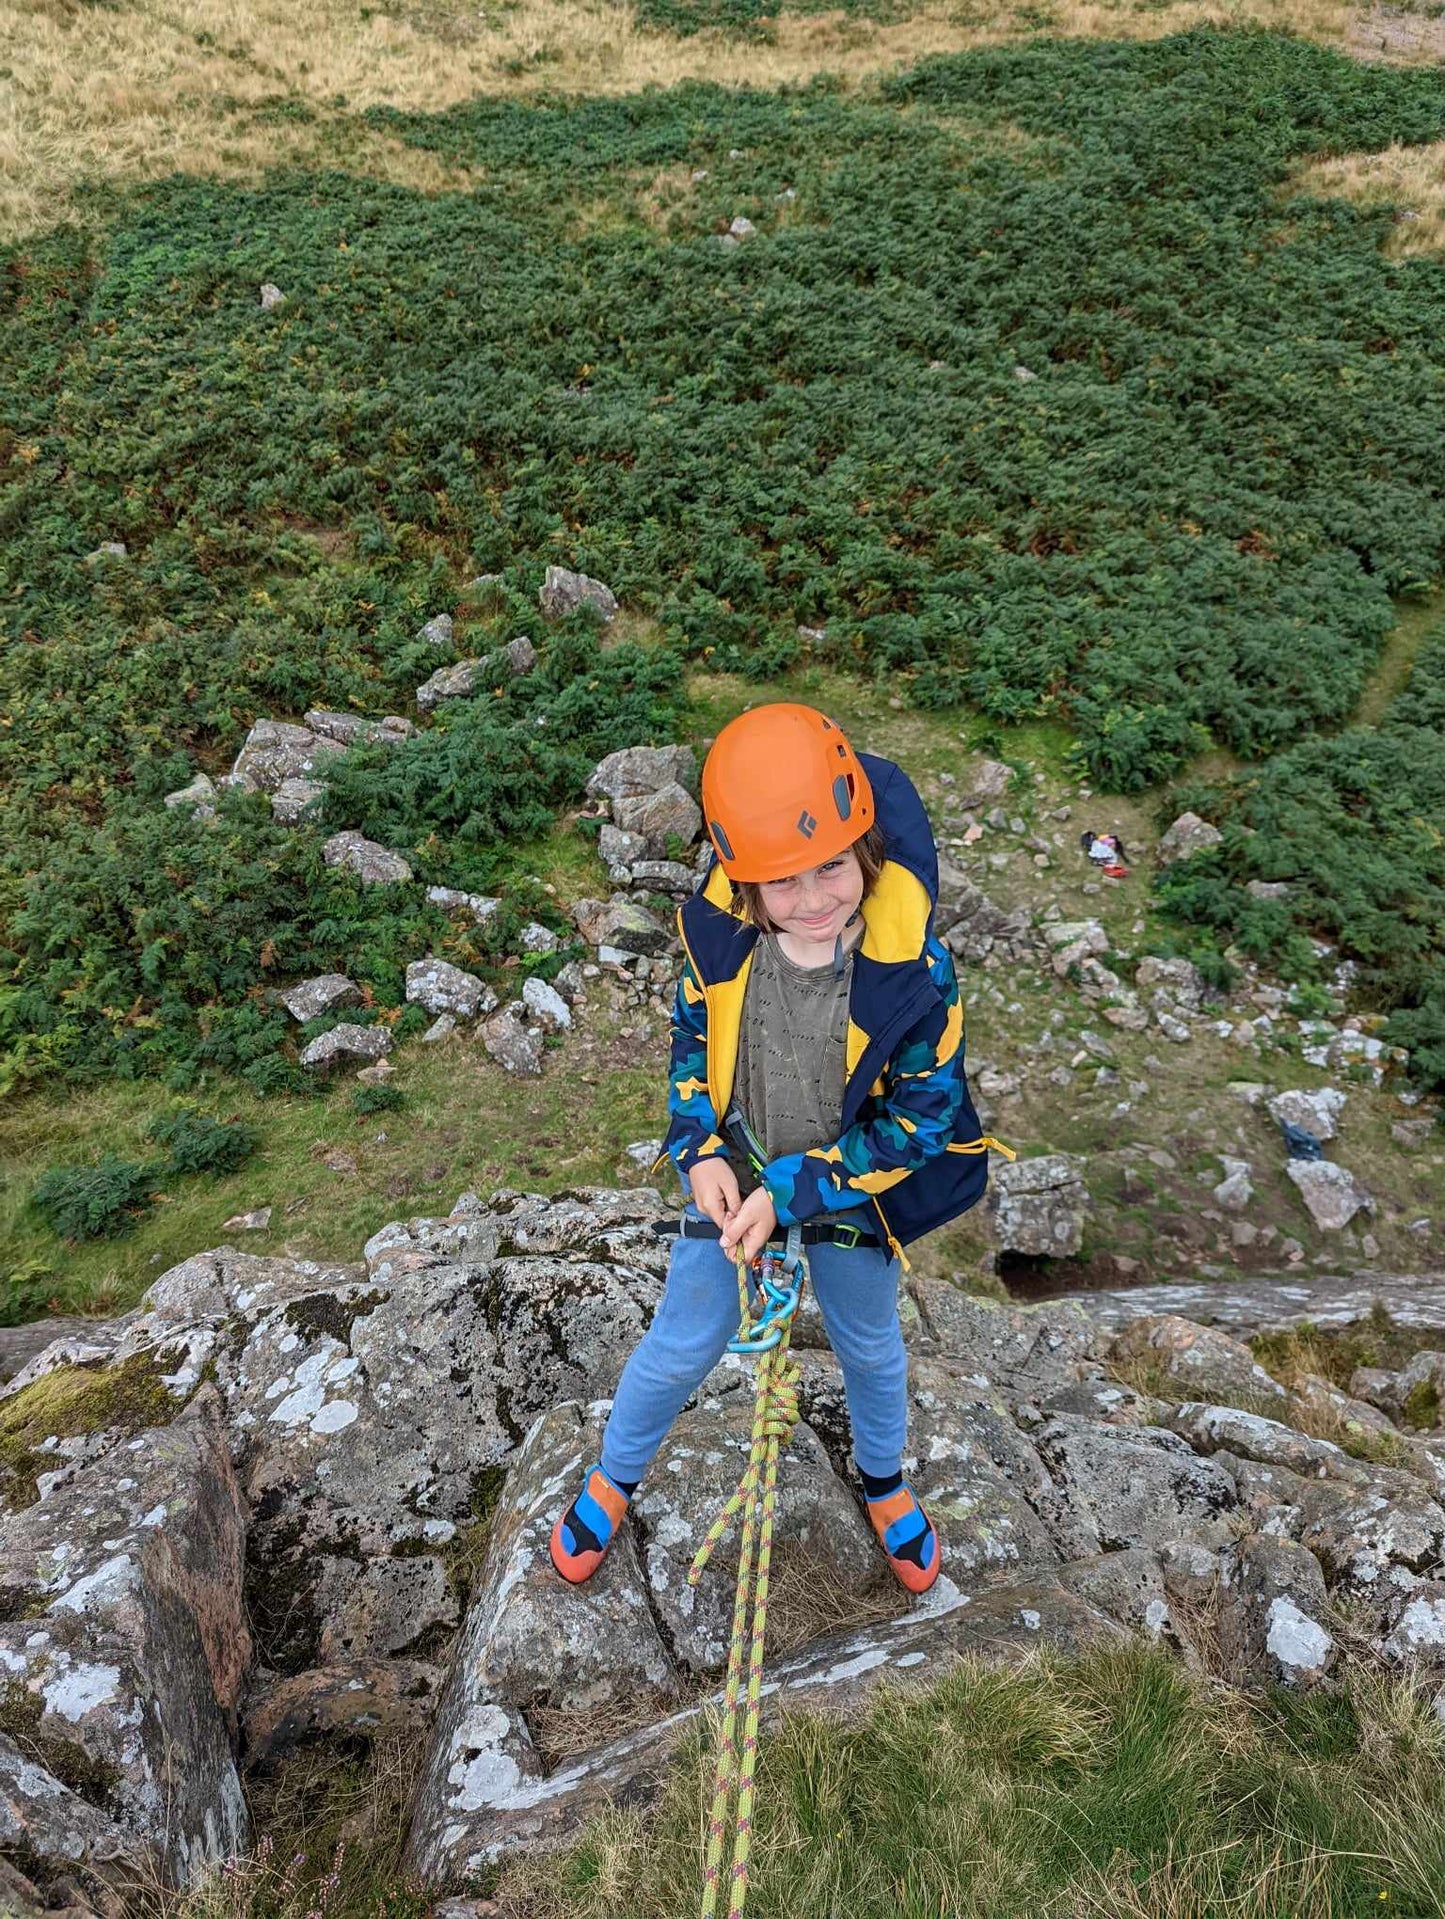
(1188, 523)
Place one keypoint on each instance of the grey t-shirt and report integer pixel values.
(791, 1053)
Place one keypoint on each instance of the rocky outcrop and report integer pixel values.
(443, 988)
(373, 864)
(346, 1045)
(1187, 836)
(1039, 1206)
(562, 592)
(357, 1466)
(124, 1644)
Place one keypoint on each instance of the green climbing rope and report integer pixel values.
(775, 1414)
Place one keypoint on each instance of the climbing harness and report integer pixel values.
(780, 1281)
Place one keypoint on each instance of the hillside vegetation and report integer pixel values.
(1036, 394)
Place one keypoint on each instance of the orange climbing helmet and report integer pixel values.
(782, 790)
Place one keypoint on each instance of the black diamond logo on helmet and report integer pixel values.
(807, 825)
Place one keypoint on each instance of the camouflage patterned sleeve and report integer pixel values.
(912, 1123)
(692, 1132)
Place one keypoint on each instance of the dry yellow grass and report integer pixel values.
(137, 90)
(1410, 178)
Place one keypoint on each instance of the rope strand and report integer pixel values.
(775, 1414)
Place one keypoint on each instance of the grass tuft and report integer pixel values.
(1115, 1784)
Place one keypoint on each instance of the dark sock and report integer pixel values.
(878, 1486)
(628, 1486)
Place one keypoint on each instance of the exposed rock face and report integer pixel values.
(1270, 1622)
(1272, 1300)
(482, 1794)
(361, 1698)
(457, 682)
(390, 1443)
(198, 798)
(1137, 1487)
(1039, 1206)
(669, 813)
(1203, 1361)
(125, 1638)
(512, 1042)
(563, 592)
(1024, 1350)
(1317, 1111)
(372, 864)
(984, 782)
(622, 924)
(971, 925)
(296, 800)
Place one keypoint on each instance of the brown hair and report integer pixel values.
(748, 894)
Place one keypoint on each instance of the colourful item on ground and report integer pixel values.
(782, 791)
(582, 1535)
(908, 1537)
(775, 1414)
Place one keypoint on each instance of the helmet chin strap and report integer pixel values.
(838, 943)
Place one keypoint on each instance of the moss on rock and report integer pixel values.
(126, 1398)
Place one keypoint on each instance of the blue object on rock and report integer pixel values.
(1301, 1143)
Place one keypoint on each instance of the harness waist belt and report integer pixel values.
(816, 1232)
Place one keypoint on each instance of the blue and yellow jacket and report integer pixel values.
(911, 1147)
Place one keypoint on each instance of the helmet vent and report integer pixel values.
(843, 795)
(720, 840)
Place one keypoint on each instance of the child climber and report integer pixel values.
(816, 1078)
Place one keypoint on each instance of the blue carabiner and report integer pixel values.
(781, 1302)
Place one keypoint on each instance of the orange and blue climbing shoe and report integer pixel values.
(582, 1535)
(907, 1535)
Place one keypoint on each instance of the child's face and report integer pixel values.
(816, 905)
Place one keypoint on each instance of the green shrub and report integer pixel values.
(1189, 524)
(94, 1202)
(377, 1099)
(25, 1292)
(1351, 824)
(196, 1143)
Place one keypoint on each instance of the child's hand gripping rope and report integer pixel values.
(775, 1414)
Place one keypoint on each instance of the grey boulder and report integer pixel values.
(638, 770)
(276, 750)
(563, 592)
(1040, 1206)
(1136, 1486)
(442, 988)
(296, 800)
(125, 1632)
(1273, 1604)
(346, 1045)
(1331, 1193)
(324, 993)
(512, 1043)
(1187, 836)
(354, 729)
(671, 813)
(372, 864)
